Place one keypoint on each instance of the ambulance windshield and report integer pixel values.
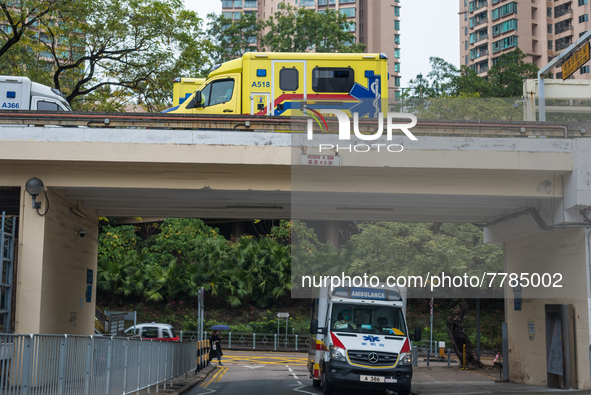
(368, 319)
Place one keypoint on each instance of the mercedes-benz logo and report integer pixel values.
(373, 357)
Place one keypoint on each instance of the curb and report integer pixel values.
(189, 386)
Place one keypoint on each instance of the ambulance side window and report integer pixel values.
(289, 79)
(333, 79)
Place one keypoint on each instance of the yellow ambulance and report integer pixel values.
(183, 88)
(276, 84)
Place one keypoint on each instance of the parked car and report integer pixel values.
(153, 331)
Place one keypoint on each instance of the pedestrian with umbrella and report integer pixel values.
(214, 343)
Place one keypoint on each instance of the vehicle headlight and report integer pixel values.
(405, 358)
(337, 353)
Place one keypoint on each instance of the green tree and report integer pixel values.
(506, 77)
(22, 15)
(294, 29)
(133, 47)
(232, 39)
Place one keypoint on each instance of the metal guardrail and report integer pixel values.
(258, 123)
(89, 365)
(256, 341)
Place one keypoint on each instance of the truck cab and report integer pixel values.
(360, 340)
(19, 93)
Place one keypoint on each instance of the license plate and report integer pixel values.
(372, 379)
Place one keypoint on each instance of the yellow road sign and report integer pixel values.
(575, 62)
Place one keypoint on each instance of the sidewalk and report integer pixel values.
(180, 385)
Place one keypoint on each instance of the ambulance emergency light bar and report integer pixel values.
(367, 293)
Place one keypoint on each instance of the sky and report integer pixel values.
(428, 28)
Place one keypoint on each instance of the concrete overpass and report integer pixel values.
(455, 172)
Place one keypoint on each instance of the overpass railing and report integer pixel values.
(89, 365)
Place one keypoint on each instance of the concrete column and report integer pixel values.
(53, 263)
(562, 251)
(29, 264)
(237, 230)
(331, 233)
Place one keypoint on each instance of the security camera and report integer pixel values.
(80, 232)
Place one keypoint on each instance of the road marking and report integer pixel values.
(299, 389)
(289, 369)
(223, 372)
(300, 383)
(215, 377)
(252, 366)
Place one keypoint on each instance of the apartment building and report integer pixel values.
(540, 28)
(371, 22)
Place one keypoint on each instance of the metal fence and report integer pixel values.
(256, 341)
(89, 365)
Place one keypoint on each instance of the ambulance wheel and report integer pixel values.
(327, 388)
(316, 383)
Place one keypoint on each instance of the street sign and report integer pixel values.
(282, 315)
(576, 61)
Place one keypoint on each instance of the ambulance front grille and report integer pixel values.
(363, 358)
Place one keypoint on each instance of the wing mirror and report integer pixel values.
(196, 102)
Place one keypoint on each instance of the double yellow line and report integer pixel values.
(216, 377)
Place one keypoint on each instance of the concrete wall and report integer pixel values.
(52, 268)
(558, 251)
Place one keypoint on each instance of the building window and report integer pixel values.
(327, 79)
(227, 3)
(581, 34)
(466, 45)
(397, 39)
(510, 8)
(550, 45)
(504, 27)
(396, 25)
(397, 53)
(250, 4)
(227, 15)
(350, 27)
(550, 28)
(479, 19)
(397, 67)
(396, 11)
(504, 43)
(466, 59)
(549, 12)
(584, 18)
(583, 2)
(465, 30)
(237, 3)
(585, 70)
(349, 12)
(465, 16)
(396, 81)
(346, 1)
(397, 95)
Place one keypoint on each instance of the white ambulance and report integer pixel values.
(359, 340)
(19, 93)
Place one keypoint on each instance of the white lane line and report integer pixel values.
(290, 369)
(299, 389)
(294, 376)
(300, 383)
(209, 391)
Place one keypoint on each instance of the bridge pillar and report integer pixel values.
(53, 264)
(562, 251)
(332, 233)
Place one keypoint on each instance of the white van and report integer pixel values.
(19, 93)
(359, 339)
